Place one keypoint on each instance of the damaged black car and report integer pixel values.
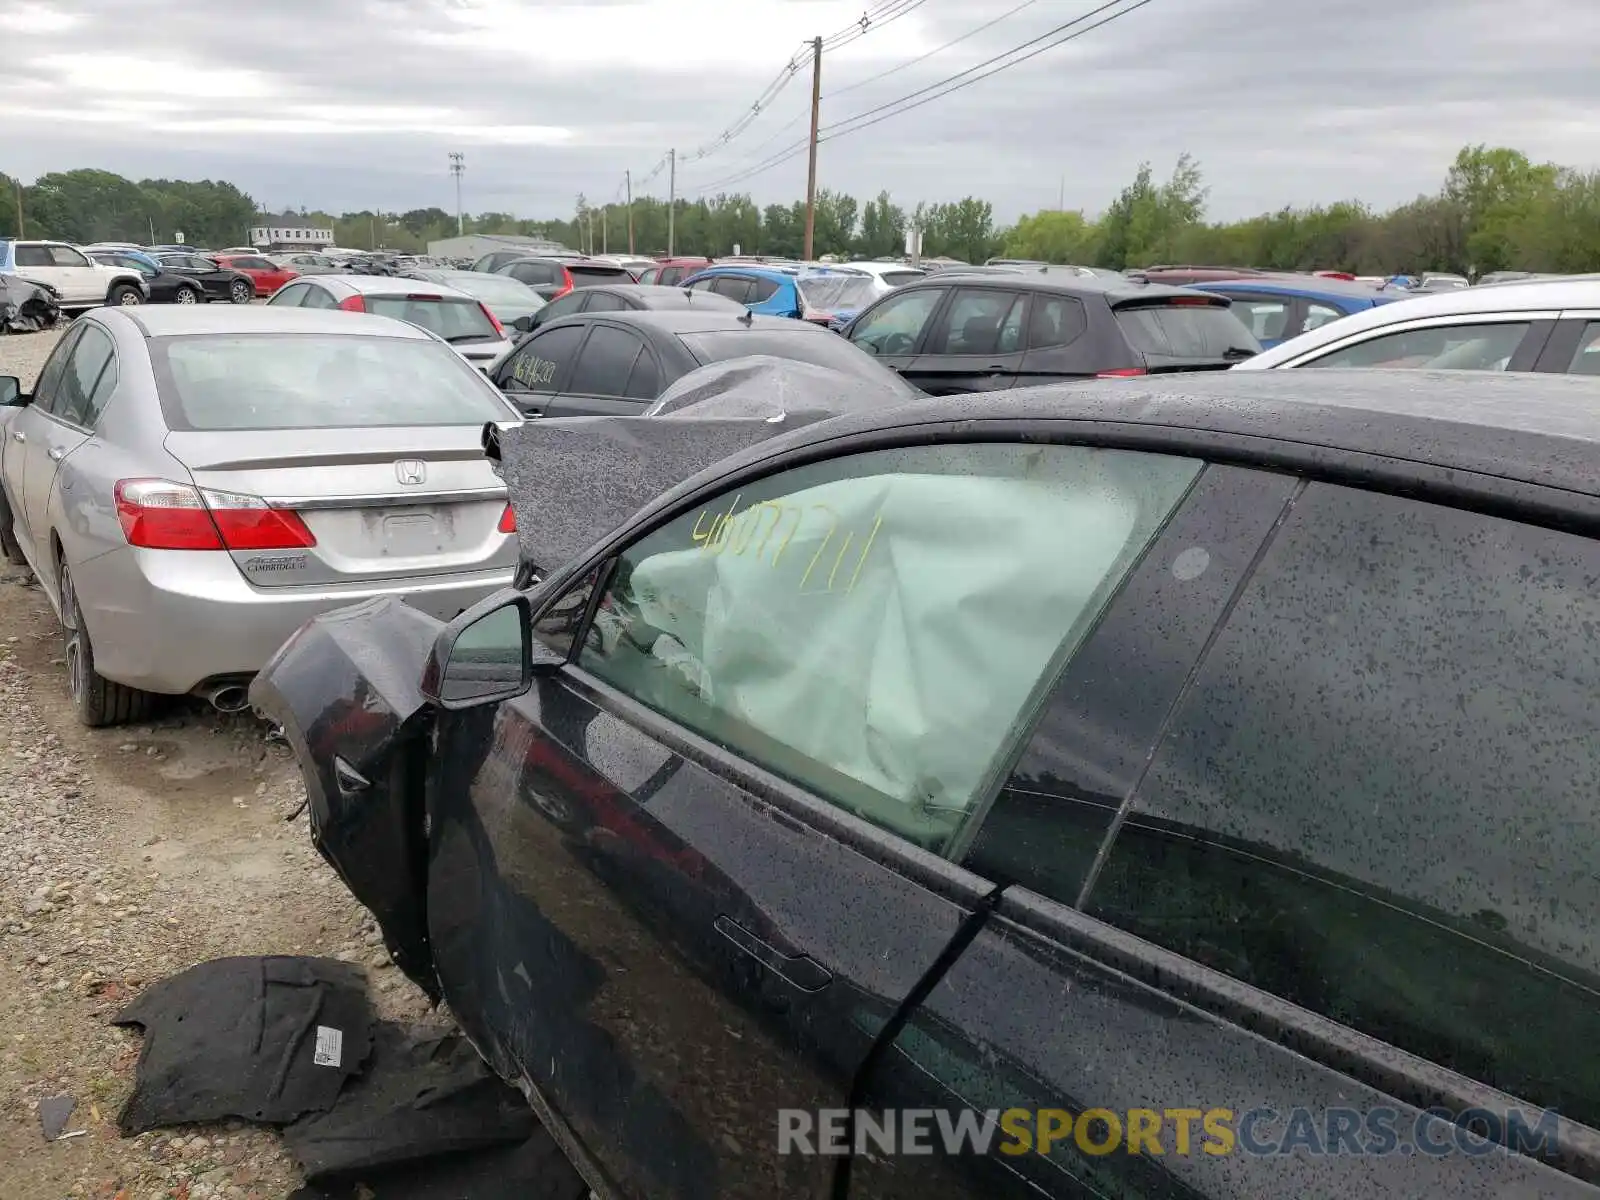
(27, 305)
(1039, 797)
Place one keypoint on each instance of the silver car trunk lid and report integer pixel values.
(382, 503)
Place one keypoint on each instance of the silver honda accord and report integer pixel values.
(191, 484)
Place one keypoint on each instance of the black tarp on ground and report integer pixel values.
(424, 1093)
(264, 1039)
(533, 1170)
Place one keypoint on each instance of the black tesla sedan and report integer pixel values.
(1176, 787)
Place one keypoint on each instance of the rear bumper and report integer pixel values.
(168, 620)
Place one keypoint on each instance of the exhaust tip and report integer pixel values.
(228, 697)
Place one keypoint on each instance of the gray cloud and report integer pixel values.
(346, 104)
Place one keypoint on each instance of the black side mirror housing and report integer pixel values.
(487, 655)
(524, 323)
(11, 393)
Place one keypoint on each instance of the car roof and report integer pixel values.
(1312, 286)
(704, 320)
(1503, 299)
(759, 270)
(1116, 291)
(178, 320)
(1539, 429)
(385, 285)
(658, 295)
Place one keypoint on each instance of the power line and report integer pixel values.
(873, 19)
(911, 62)
(941, 88)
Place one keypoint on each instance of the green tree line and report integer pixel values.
(1495, 210)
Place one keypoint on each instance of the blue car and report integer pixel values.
(1277, 309)
(825, 296)
(762, 289)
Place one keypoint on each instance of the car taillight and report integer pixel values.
(1121, 373)
(566, 284)
(508, 521)
(157, 514)
(499, 329)
(356, 303)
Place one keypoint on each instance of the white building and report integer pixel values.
(287, 232)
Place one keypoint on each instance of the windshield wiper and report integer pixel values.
(470, 337)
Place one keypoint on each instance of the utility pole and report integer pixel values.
(458, 165)
(627, 177)
(605, 229)
(811, 169)
(1061, 197)
(672, 195)
(16, 187)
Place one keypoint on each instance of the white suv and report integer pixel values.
(82, 282)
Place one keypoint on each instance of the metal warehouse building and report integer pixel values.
(476, 245)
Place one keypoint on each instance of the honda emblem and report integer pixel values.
(411, 470)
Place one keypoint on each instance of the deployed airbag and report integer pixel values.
(265, 1039)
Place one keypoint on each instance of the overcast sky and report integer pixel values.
(353, 104)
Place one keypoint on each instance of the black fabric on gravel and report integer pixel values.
(534, 1170)
(237, 1037)
(424, 1093)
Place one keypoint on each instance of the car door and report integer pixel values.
(974, 343)
(599, 384)
(1261, 910)
(533, 374)
(63, 421)
(686, 884)
(28, 426)
(893, 328)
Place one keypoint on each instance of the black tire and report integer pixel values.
(241, 291)
(97, 700)
(186, 295)
(9, 545)
(124, 294)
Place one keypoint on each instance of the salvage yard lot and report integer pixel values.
(127, 855)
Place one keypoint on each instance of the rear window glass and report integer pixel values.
(832, 293)
(453, 319)
(1186, 331)
(311, 381)
(587, 276)
(804, 344)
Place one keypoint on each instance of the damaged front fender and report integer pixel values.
(345, 690)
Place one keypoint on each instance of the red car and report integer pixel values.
(669, 271)
(268, 276)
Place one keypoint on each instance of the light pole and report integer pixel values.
(458, 165)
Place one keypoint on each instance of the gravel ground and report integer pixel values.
(22, 354)
(127, 855)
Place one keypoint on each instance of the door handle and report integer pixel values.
(997, 369)
(55, 454)
(19, 437)
(800, 970)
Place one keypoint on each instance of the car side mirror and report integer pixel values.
(11, 393)
(524, 323)
(486, 655)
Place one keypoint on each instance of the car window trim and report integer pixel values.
(1415, 323)
(111, 359)
(578, 358)
(1388, 1069)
